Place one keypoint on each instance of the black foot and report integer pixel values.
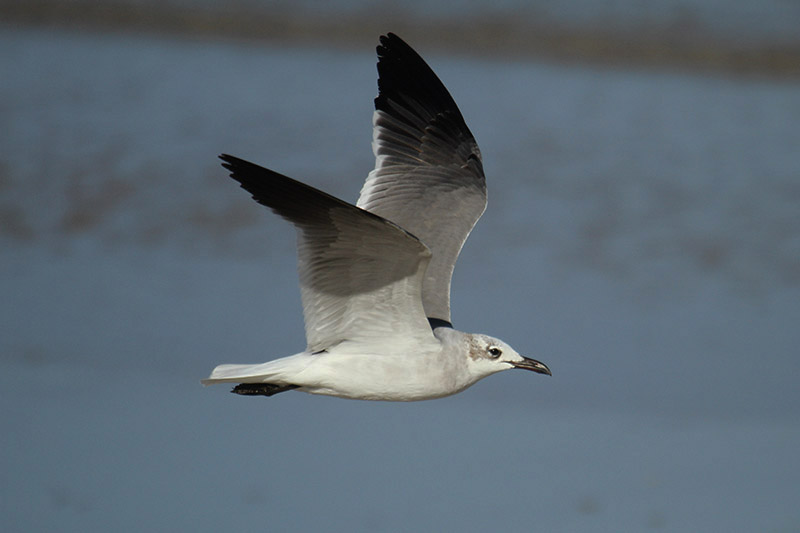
(261, 389)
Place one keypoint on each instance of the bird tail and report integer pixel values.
(278, 372)
(235, 374)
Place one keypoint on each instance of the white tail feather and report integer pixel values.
(278, 372)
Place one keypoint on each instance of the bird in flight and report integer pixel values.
(375, 276)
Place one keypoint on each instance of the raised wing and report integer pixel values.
(360, 275)
(428, 176)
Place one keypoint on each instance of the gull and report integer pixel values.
(375, 277)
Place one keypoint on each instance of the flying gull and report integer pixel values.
(375, 277)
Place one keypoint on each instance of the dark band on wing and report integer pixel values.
(439, 323)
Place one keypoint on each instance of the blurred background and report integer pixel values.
(642, 239)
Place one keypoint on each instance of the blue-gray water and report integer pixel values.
(642, 238)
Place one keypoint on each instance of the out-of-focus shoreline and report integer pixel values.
(676, 48)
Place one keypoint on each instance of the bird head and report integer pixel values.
(488, 356)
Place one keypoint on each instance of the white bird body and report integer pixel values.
(375, 278)
(350, 370)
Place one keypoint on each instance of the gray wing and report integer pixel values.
(360, 275)
(428, 176)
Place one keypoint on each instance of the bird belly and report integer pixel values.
(381, 377)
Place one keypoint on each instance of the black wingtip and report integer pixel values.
(248, 174)
(228, 161)
(389, 41)
(407, 80)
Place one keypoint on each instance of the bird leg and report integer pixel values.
(261, 389)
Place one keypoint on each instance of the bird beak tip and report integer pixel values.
(533, 365)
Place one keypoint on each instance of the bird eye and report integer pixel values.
(495, 352)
